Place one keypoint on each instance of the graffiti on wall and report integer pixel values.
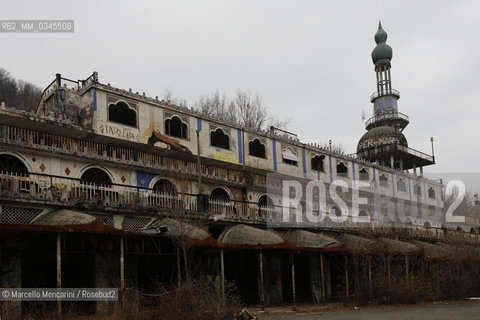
(153, 137)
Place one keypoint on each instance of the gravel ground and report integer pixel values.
(443, 311)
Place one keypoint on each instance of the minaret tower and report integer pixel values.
(385, 106)
(384, 141)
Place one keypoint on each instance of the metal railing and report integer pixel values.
(384, 92)
(51, 142)
(395, 115)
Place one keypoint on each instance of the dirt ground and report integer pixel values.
(464, 310)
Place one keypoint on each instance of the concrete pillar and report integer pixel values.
(294, 293)
(222, 274)
(392, 162)
(421, 171)
(401, 165)
(414, 169)
(262, 285)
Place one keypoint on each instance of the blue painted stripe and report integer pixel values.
(393, 185)
(353, 171)
(374, 180)
(240, 146)
(409, 189)
(437, 196)
(330, 166)
(94, 99)
(274, 154)
(424, 192)
(199, 124)
(304, 165)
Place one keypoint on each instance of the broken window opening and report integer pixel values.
(219, 138)
(256, 148)
(121, 113)
(431, 193)
(364, 176)
(383, 181)
(342, 170)
(417, 190)
(317, 163)
(176, 128)
(401, 185)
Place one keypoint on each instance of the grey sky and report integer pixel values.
(310, 60)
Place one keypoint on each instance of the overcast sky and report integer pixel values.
(309, 60)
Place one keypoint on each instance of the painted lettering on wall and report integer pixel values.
(124, 133)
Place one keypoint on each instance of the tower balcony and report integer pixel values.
(398, 118)
(384, 92)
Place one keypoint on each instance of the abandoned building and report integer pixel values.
(98, 185)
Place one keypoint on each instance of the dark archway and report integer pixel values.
(96, 176)
(342, 170)
(364, 176)
(176, 128)
(220, 139)
(256, 148)
(317, 163)
(220, 194)
(12, 164)
(165, 186)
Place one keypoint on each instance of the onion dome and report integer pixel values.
(381, 136)
(382, 52)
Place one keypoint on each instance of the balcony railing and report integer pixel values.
(58, 190)
(385, 92)
(50, 142)
(396, 115)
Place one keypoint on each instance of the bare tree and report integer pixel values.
(18, 94)
(250, 111)
(28, 95)
(245, 110)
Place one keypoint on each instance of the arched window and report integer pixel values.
(317, 163)
(165, 186)
(266, 206)
(176, 128)
(219, 194)
(363, 213)
(289, 157)
(431, 193)
(364, 176)
(12, 164)
(401, 185)
(96, 176)
(120, 112)
(342, 170)
(256, 148)
(220, 139)
(383, 181)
